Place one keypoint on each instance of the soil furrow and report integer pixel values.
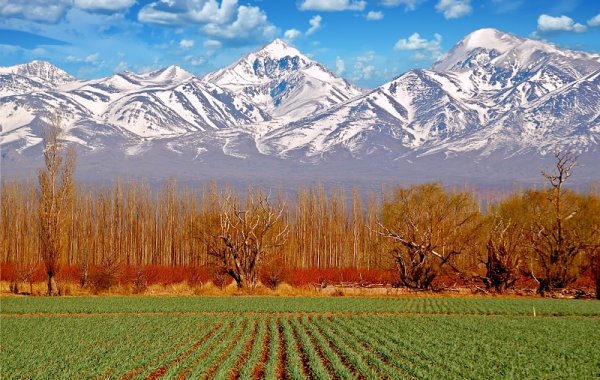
(235, 372)
(159, 372)
(259, 371)
(184, 373)
(301, 351)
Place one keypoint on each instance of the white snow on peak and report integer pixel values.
(171, 74)
(489, 38)
(284, 82)
(278, 49)
(41, 70)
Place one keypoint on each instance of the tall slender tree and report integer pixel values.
(55, 198)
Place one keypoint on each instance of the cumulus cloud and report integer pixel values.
(409, 5)
(104, 5)
(181, 12)
(51, 11)
(363, 67)
(415, 42)
(315, 24)
(186, 44)
(332, 5)
(340, 66)
(374, 16)
(292, 34)
(559, 24)
(454, 8)
(48, 11)
(594, 21)
(422, 47)
(225, 21)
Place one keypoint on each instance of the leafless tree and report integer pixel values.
(504, 254)
(431, 227)
(55, 198)
(246, 234)
(555, 242)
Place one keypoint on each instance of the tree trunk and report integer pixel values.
(52, 287)
(598, 288)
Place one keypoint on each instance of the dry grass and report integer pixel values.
(283, 290)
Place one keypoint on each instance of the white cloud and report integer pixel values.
(415, 42)
(363, 69)
(559, 24)
(104, 5)
(315, 24)
(181, 12)
(422, 47)
(409, 5)
(212, 45)
(51, 11)
(292, 34)
(374, 16)
(228, 21)
(454, 8)
(594, 21)
(340, 66)
(333, 5)
(251, 24)
(186, 44)
(48, 11)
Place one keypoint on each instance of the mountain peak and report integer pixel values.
(279, 49)
(490, 38)
(42, 70)
(490, 41)
(172, 73)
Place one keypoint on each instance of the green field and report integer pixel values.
(279, 337)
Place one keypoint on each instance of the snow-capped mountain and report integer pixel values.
(284, 82)
(29, 77)
(495, 105)
(40, 71)
(162, 103)
(492, 91)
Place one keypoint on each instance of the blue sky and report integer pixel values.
(368, 42)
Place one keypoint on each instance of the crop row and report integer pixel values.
(298, 347)
(433, 305)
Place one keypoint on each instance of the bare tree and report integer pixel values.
(246, 234)
(556, 245)
(431, 227)
(504, 255)
(55, 198)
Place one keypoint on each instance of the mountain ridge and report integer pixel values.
(491, 97)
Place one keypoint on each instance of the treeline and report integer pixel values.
(421, 232)
(131, 224)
